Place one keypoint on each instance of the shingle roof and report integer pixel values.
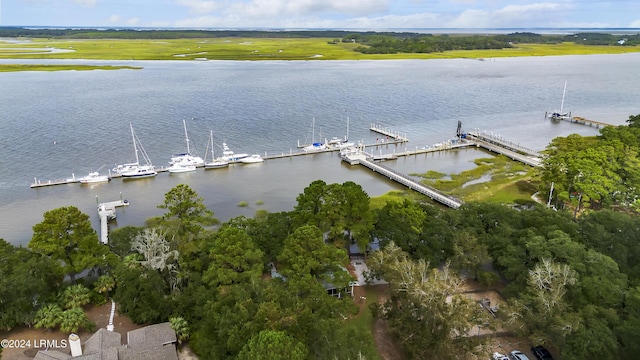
(101, 340)
(159, 334)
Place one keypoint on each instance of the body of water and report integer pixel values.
(53, 124)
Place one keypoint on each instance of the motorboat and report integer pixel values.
(214, 163)
(181, 167)
(229, 155)
(186, 158)
(94, 177)
(255, 158)
(135, 170)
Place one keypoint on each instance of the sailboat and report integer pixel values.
(186, 158)
(339, 143)
(315, 146)
(214, 163)
(560, 115)
(135, 170)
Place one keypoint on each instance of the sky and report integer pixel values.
(332, 14)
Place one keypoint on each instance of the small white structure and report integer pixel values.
(75, 345)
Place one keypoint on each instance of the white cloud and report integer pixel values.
(114, 19)
(635, 24)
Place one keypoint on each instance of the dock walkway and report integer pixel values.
(358, 157)
(388, 132)
(530, 160)
(581, 120)
(107, 211)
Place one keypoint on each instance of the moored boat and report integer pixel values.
(214, 163)
(255, 158)
(135, 170)
(94, 177)
(229, 155)
(181, 167)
(186, 158)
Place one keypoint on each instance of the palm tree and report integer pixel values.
(48, 316)
(74, 319)
(105, 284)
(75, 296)
(181, 327)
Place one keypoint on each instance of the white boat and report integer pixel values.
(214, 163)
(186, 158)
(94, 177)
(561, 114)
(181, 167)
(255, 158)
(135, 170)
(315, 147)
(229, 155)
(339, 143)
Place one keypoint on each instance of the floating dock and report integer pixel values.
(388, 133)
(107, 212)
(38, 183)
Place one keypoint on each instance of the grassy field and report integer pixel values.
(258, 49)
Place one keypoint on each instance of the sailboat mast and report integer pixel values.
(211, 136)
(135, 146)
(186, 136)
(563, 93)
(346, 138)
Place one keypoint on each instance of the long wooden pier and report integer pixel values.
(355, 157)
(107, 211)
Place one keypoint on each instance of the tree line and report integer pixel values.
(255, 286)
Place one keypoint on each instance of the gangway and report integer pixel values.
(358, 157)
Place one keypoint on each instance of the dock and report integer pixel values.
(107, 212)
(508, 149)
(357, 157)
(583, 121)
(39, 183)
(388, 132)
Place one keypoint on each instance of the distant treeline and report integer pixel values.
(371, 42)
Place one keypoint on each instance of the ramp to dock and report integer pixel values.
(532, 158)
(362, 159)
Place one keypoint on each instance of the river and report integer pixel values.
(55, 124)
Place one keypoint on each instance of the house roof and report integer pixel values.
(158, 334)
(51, 355)
(101, 340)
(154, 342)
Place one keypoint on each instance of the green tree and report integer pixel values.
(427, 309)
(66, 236)
(309, 205)
(181, 327)
(104, 285)
(634, 121)
(75, 319)
(48, 316)
(27, 280)
(235, 258)
(141, 293)
(273, 345)
(75, 296)
(185, 206)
